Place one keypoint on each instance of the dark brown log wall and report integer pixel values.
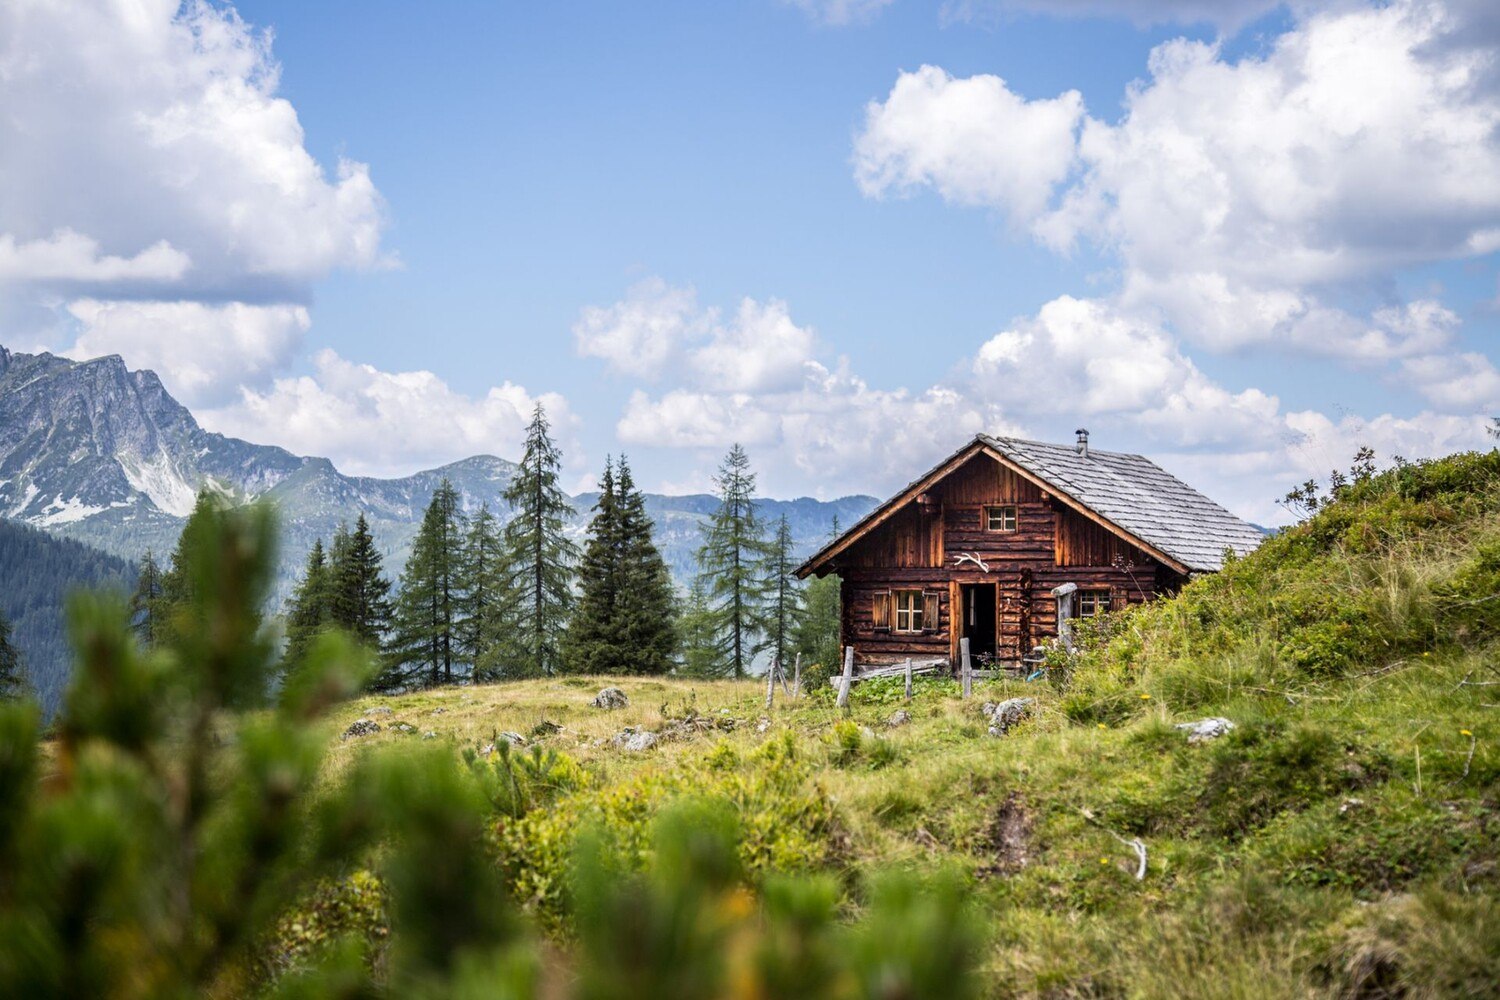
(918, 547)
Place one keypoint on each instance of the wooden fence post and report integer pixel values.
(797, 677)
(847, 680)
(771, 683)
(908, 678)
(968, 668)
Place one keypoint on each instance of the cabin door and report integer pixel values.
(979, 620)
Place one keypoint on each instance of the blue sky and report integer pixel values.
(787, 231)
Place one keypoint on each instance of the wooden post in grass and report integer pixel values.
(771, 683)
(968, 667)
(781, 676)
(908, 678)
(797, 677)
(847, 680)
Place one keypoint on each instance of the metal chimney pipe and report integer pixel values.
(1083, 441)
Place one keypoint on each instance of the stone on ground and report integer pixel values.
(361, 727)
(1206, 729)
(634, 740)
(1006, 715)
(611, 697)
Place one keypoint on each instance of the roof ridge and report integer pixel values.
(1062, 447)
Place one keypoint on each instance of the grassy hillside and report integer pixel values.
(1343, 839)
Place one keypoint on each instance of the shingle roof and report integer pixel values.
(1133, 493)
(1139, 496)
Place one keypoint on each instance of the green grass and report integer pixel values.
(1343, 840)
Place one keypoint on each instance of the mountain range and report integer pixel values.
(94, 451)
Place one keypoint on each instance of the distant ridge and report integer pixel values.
(94, 451)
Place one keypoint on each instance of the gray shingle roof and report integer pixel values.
(1139, 496)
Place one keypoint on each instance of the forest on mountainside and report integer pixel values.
(37, 573)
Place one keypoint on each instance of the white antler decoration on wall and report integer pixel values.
(972, 557)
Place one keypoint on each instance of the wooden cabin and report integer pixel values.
(1005, 540)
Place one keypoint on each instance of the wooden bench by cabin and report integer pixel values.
(976, 547)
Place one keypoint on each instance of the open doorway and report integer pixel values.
(978, 608)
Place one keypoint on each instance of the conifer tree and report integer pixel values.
(484, 600)
(540, 557)
(646, 608)
(816, 634)
(731, 566)
(146, 601)
(12, 675)
(624, 620)
(696, 627)
(176, 582)
(359, 593)
(423, 646)
(784, 606)
(591, 645)
(307, 612)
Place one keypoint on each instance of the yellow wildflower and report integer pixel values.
(1464, 732)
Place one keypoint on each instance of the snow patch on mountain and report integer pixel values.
(61, 511)
(159, 479)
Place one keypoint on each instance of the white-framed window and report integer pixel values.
(1000, 518)
(908, 610)
(1092, 602)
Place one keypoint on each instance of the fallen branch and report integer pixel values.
(1133, 843)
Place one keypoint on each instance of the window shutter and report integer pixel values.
(930, 611)
(881, 610)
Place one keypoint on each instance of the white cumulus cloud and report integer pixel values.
(379, 423)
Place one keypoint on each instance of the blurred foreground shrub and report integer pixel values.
(183, 838)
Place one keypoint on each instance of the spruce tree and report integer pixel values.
(176, 583)
(423, 646)
(484, 600)
(359, 593)
(146, 601)
(591, 644)
(784, 606)
(646, 608)
(307, 613)
(731, 566)
(12, 675)
(539, 555)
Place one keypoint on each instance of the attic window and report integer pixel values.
(1092, 602)
(1001, 518)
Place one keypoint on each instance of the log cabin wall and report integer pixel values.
(918, 548)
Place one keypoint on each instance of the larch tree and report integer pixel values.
(146, 601)
(784, 595)
(540, 557)
(484, 600)
(307, 612)
(816, 634)
(695, 627)
(359, 593)
(731, 566)
(424, 644)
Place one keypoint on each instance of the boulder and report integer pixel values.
(429, 735)
(900, 718)
(380, 710)
(514, 739)
(404, 727)
(361, 727)
(611, 697)
(1007, 714)
(634, 740)
(1205, 729)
